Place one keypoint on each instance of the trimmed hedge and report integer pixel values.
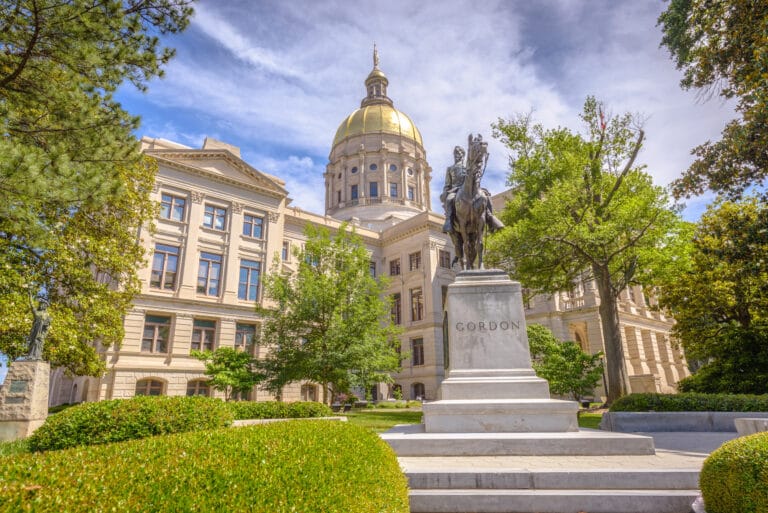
(243, 410)
(128, 419)
(691, 402)
(303, 466)
(734, 478)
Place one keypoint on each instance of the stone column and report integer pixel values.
(24, 399)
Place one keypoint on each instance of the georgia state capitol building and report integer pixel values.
(223, 223)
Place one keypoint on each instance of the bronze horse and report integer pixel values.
(469, 220)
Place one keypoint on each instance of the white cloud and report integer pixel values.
(280, 77)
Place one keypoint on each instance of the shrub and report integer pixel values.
(128, 419)
(691, 402)
(278, 410)
(734, 478)
(332, 467)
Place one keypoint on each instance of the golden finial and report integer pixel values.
(375, 56)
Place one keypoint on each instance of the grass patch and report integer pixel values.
(14, 447)
(590, 420)
(382, 420)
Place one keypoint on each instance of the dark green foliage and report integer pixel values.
(734, 478)
(721, 47)
(691, 402)
(302, 466)
(127, 419)
(74, 189)
(719, 299)
(278, 410)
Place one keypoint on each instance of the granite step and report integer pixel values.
(533, 479)
(551, 501)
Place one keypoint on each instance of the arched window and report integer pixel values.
(198, 387)
(309, 392)
(417, 391)
(149, 386)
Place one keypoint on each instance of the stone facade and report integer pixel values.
(222, 219)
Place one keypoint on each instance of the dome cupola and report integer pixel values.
(377, 172)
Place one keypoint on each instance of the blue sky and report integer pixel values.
(277, 78)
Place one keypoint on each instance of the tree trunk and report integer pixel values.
(325, 394)
(618, 381)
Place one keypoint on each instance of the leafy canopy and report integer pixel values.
(721, 47)
(580, 209)
(720, 300)
(229, 370)
(330, 323)
(74, 187)
(569, 370)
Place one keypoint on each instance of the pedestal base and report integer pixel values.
(24, 399)
(500, 416)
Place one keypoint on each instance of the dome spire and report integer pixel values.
(376, 83)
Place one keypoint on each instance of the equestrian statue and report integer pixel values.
(468, 209)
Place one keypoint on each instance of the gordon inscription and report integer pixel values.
(487, 325)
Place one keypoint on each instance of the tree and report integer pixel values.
(330, 323)
(721, 47)
(568, 369)
(582, 210)
(720, 301)
(230, 370)
(74, 187)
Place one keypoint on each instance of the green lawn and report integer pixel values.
(382, 420)
(590, 420)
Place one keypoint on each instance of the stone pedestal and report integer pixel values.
(490, 386)
(24, 399)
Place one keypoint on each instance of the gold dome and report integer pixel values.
(377, 118)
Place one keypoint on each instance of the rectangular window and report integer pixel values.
(414, 261)
(245, 335)
(253, 226)
(374, 189)
(417, 351)
(215, 217)
(248, 285)
(165, 262)
(156, 334)
(397, 307)
(444, 258)
(372, 268)
(209, 274)
(411, 193)
(204, 335)
(417, 304)
(338, 197)
(286, 251)
(353, 192)
(172, 207)
(394, 267)
(393, 190)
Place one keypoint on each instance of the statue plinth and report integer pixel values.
(490, 385)
(24, 398)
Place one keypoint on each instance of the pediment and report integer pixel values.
(221, 165)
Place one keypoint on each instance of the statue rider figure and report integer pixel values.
(454, 179)
(40, 326)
